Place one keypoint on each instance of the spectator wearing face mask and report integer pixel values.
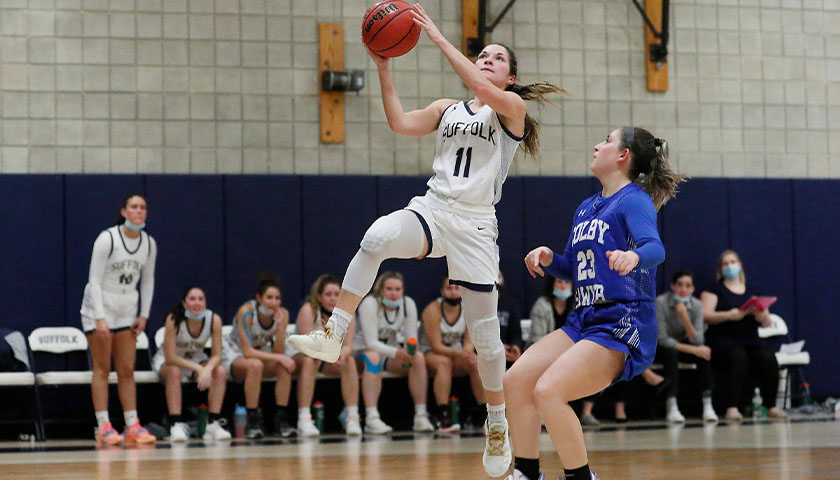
(552, 308)
(733, 337)
(681, 328)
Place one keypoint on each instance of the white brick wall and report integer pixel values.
(230, 86)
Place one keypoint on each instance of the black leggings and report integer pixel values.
(736, 362)
(670, 358)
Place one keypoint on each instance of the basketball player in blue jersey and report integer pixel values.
(611, 256)
(475, 144)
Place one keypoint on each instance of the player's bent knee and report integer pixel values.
(379, 236)
(486, 337)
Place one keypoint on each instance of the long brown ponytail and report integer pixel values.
(534, 91)
(649, 167)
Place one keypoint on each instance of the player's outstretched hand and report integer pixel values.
(623, 262)
(379, 60)
(425, 22)
(538, 258)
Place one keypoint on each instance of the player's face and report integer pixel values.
(135, 210)
(329, 297)
(195, 302)
(450, 291)
(494, 63)
(729, 259)
(607, 153)
(683, 287)
(271, 299)
(392, 289)
(561, 284)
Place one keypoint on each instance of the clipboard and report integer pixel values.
(760, 303)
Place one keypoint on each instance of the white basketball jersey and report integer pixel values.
(473, 153)
(127, 258)
(389, 325)
(186, 345)
(261, 338)
(450, 335)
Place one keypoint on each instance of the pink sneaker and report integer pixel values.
(106, 435)
(137, 434)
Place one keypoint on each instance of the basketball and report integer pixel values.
(388, 28)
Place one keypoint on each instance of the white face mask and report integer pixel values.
(680, 299)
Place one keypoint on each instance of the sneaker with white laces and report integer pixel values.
(422, 423)
(319, 344)
(675, 416)
(517, 475)
(375, 426)
(179, 432)
(352, 426)
(590, 420)
(306, 427)
(217, 431)
(497, 452)
(709, 414)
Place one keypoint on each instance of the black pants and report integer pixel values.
(670, 358)
(740, 364)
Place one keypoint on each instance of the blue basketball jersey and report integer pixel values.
(623, 221)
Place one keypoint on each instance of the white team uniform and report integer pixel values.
(392, 328)
(187, 346)
(111, 293)
(261, 338)
(451, 335)
(473, 154)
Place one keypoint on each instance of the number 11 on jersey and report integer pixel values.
(459, 155)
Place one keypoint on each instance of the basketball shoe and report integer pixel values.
(137, 434)
(319, 344)
(497, 452)
(107, 435)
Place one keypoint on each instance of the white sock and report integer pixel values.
(671, 403)
(130, 417)
(496, 413)
(353, 411)
(102, 418)
(371, 412)
(339, 321)
(304, 413)
(420, 409)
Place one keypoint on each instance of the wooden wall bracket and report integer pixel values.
(331, 57)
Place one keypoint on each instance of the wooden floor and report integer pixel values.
(791, 450)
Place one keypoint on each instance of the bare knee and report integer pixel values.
(254, 368)
(219, 374)
(173, 374)
(125, 370)
(101, 372)
(548, 394)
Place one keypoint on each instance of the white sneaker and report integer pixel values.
(422, 423)
(375, 426)
(497, 453)
(320, 344)
(709, 414)
(217, 430)
(306, 427)
(352, 426)
(179, 432)
(517, 475)
(674, 416)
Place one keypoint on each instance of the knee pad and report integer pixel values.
(486, 336)
(369, 366)
(380, 235)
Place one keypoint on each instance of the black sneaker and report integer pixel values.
(445, 423)
(282, 426)
(253, 426)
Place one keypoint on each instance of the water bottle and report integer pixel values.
(240, 418)
(454, 409)
(806, 394)
(757, 404)
(410, 347)
(202, 419)
(318, 413)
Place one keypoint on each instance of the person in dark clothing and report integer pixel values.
(733, 338)
(509, 323)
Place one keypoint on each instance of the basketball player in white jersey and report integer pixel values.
(312, 317)
(475, 144)
(387, 319)
(254, 349)
(123, 256)
(188, 327)
(449, 351)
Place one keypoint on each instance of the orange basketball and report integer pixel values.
(388, 28)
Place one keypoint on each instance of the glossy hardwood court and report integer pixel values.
(789, 450)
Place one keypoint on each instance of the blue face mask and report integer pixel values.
(133, 227)
(392, 303)
(267, 313)
(192, 316)
(731, 271)
(562, 294)
(680, 299)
